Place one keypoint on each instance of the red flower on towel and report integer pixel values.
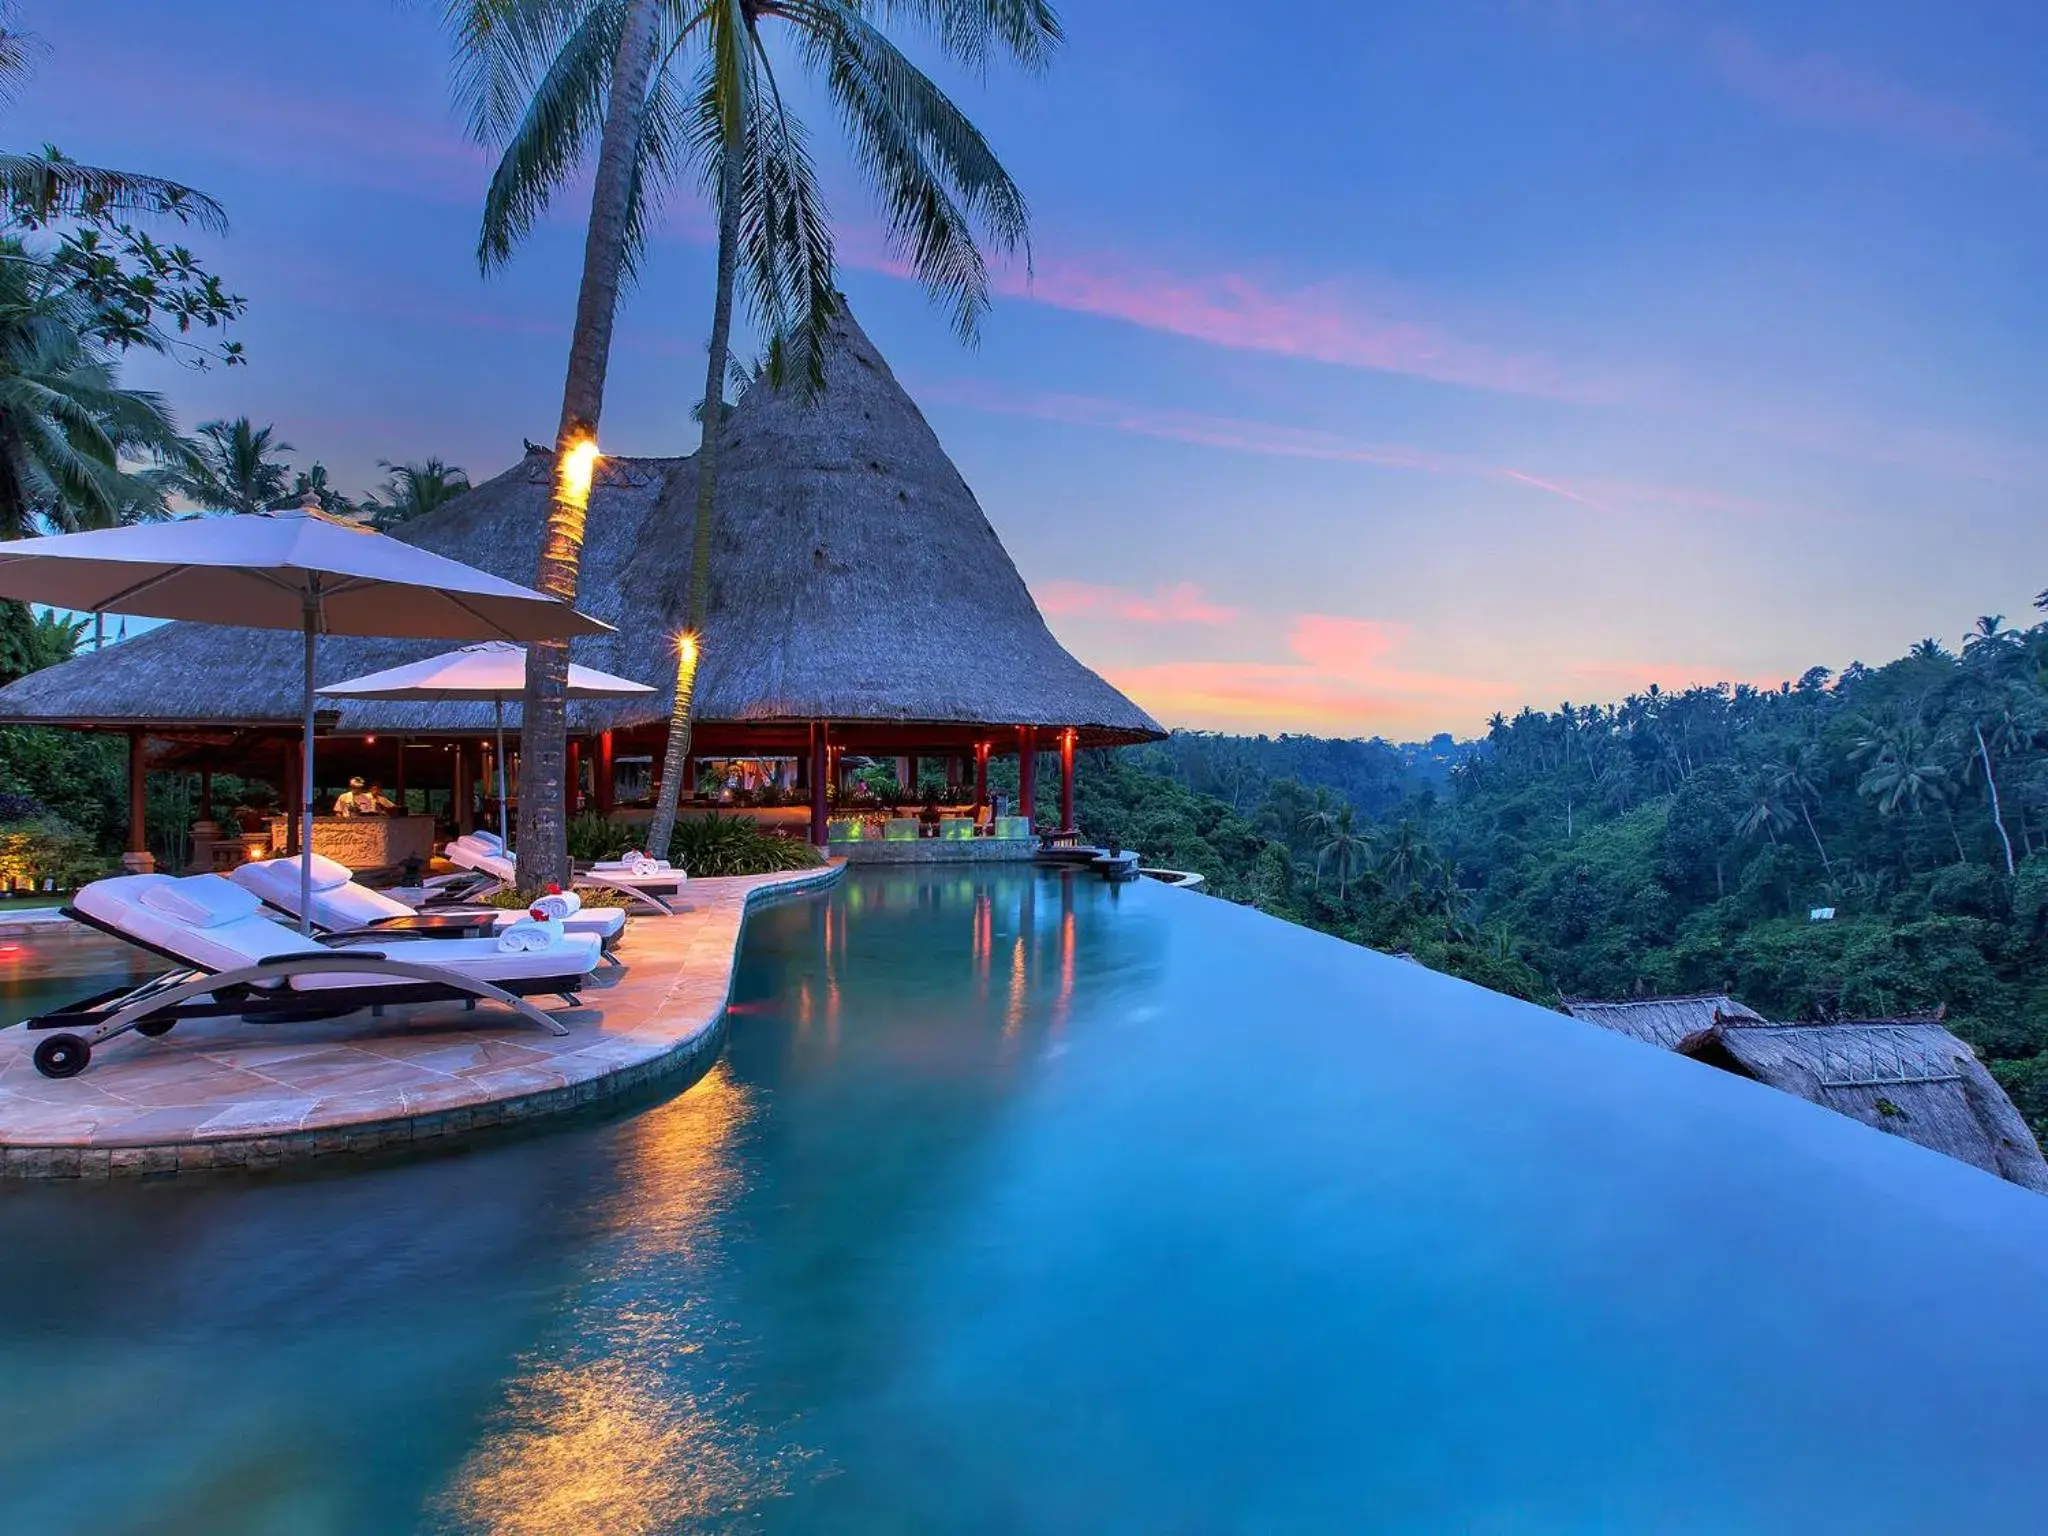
(538, 914)
(554, 888)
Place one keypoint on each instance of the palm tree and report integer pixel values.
(234, 472)
(1989, 638)
(515, 58)
(1344, 844)
(1405, 859)
(934, 173)
(66, 424)
(1800, 772)
(2000, 725)
(1904, 772)
(1765, 812)
(313, 482)
(413, 491)
(1316, 823)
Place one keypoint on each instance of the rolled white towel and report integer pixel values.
(530, 935)
(558, 904)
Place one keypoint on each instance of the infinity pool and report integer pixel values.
(1029, 1205)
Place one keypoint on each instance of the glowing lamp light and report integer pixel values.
(686, 649)
(579, 464)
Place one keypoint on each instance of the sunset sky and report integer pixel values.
(1379, 369)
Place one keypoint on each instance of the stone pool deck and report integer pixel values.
(216, 1093)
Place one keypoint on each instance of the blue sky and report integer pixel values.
(1378, 370)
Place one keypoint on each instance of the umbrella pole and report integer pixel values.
(312, 620)
(504, 841)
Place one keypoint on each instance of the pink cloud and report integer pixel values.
(1233, 433)
(1181, 603)
(1344, 677)
(1831, 90)
(1317, 322)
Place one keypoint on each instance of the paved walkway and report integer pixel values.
(217, 1093)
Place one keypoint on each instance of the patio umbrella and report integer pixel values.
(298, 569)
(494, 672)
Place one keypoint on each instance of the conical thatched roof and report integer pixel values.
(1910, 1077)
(854, 579)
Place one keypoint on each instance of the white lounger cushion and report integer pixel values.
(144, 907)
(349, 905)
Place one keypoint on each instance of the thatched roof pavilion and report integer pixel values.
(1661, 1020)
(1910, 1077)
(857, 592)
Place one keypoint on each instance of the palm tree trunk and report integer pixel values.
(1991, 783)
(675, 761)
(543, 721)
(1819, 846)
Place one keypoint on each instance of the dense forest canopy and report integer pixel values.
(1864, 845)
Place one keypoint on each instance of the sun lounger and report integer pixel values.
(232, 961)
(482, 854)
(341, 906)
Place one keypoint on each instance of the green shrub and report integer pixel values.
(48, 849)
(594, 836)
(736, 845)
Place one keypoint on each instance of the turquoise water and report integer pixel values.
(1026, 1206)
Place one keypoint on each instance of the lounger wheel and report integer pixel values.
(62, 1056)
(155, 1027)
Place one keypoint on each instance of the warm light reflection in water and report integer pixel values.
(620, 1424)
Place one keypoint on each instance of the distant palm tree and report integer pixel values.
(1905, 772)
(1405, 859)
(1800, 774)
(1765, 812)
(413, 491)
(1929, 649)
(1347, 848)
(313, 482)
(233, 470)
(1317, 822)
(1989, 637)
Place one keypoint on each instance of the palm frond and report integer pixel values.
(972, 30)
(934, 172)
(39, 188)
(562, 116)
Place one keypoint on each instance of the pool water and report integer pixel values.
(1025, 1203)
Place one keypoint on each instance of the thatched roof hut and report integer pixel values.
(1910, 1077)
(1661, 1021)
(855, 580)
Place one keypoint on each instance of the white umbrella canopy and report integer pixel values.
(493, 671)
(298, 569)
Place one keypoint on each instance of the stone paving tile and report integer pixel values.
(219, 1093)
(258, 1116)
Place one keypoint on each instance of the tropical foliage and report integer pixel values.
(413, 491)
(1855, 846)
(736, 845)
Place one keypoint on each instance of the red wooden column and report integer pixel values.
(981, 749)
(138, 803)
(603, 786)
(1067, 780)
(1027, 773)
(398, 776)
(572, 780)
(818, 775)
